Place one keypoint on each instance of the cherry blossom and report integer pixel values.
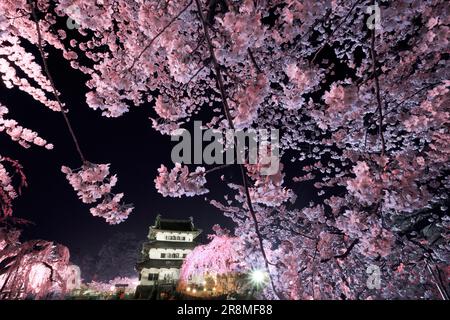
(363, 115)
(93, 182)
(36, 269)
(9, 189)
(219, 257)
(109, 287)
(179, 181)
(25, 137)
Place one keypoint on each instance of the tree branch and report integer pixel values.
(52, 83)
(252, 58)
(217, 168)
(158, 34)
(438, 283)
(227, 113)
(377, 91)
(334, 31)
(345, 254)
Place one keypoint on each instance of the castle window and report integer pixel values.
(152, 276)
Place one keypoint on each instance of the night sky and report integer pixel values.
(134, 149)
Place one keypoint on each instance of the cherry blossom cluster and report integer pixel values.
(94, 182)
(9, 189)
(364, 186)
(249, 100)
(363, 114)
(179, 181)
(36, 269)
(25, 137)
(269, 189)
(220, 256)
(110, 286)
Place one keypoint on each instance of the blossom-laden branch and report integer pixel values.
(94, 182)
(227, 113)
(8, 189)
(91, 181)
(179, 181)
(52, 83)
(222, 255)
(149, 44)
(35, 269)
(25, 137)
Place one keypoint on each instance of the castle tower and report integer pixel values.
(169, 242)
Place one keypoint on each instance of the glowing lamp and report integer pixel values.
(258, 278)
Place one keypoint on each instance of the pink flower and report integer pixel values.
(93, 182)
(179, 181)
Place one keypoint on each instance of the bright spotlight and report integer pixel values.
(258, 278)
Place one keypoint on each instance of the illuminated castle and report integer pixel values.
(169, 242)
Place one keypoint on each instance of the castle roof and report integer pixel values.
(175, 225)
(168, 245)
(159, 263)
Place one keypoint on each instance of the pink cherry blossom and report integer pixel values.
(179, 181)
(93, 182)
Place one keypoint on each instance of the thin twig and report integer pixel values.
(158, 34)
(412, 95)
(436, 281)
(217, 168)
(52, 83)
(313, 271)
(377, 91)
(193, 76)
(334, 31)
(345, 254)
(252, 58)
